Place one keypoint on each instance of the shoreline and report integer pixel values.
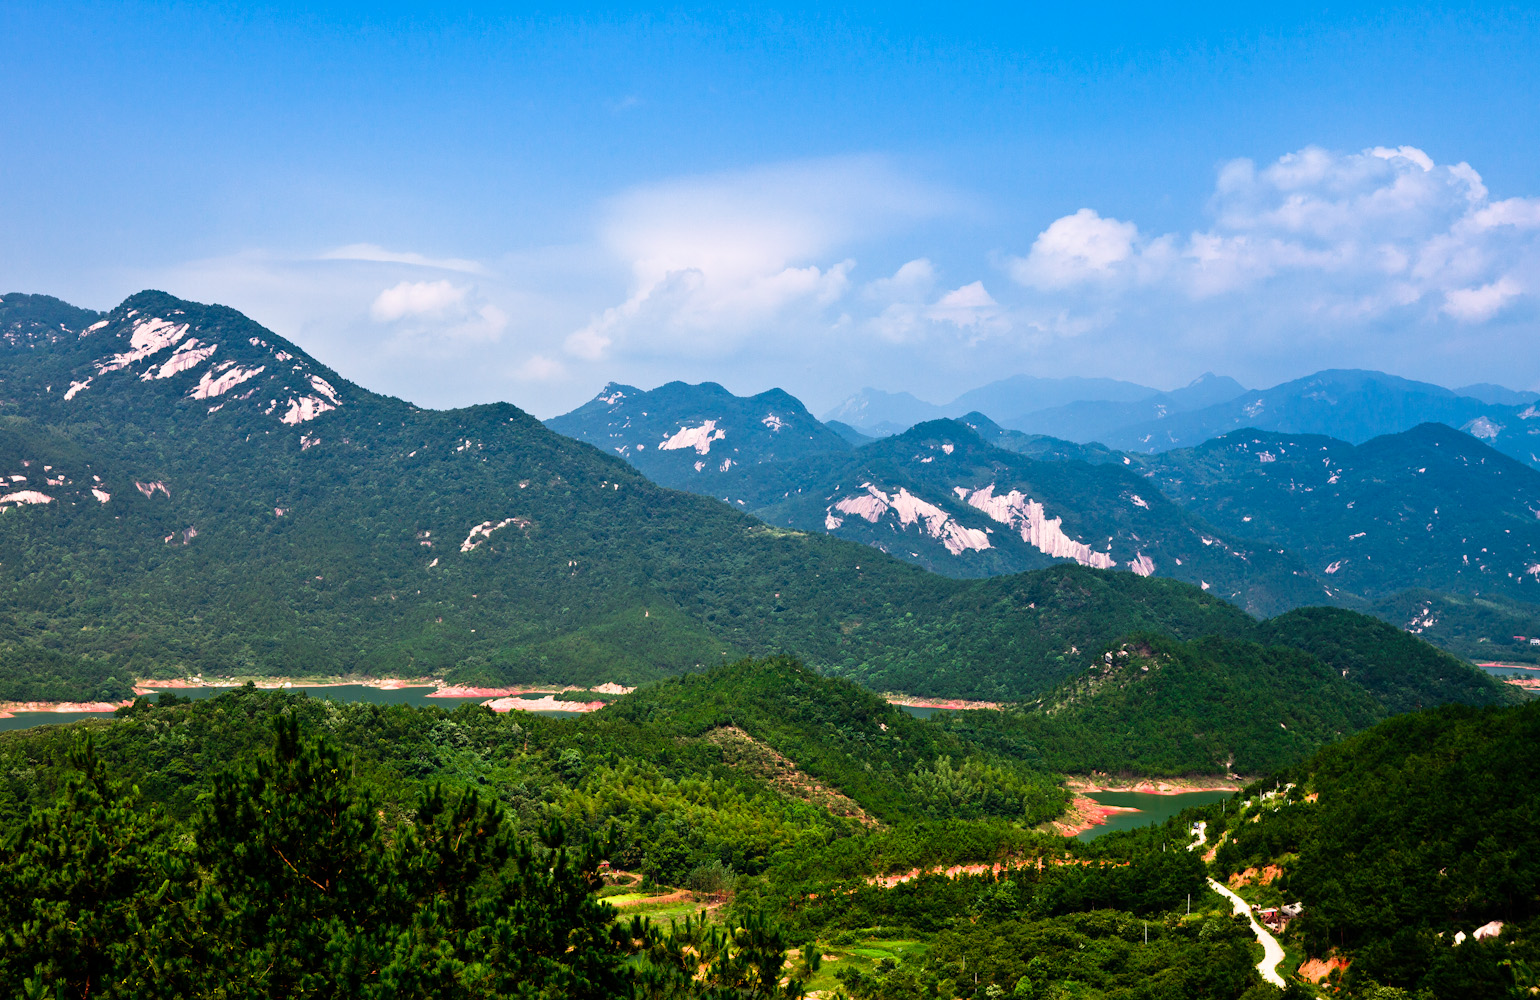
(950, 704)
(1085, 813)
(1082, 784)
(502, 699)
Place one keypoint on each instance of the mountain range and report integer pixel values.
(191, 493)
(1268, 520)
(1349, 405)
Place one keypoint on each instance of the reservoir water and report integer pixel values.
(342, 692)
(1153, 809)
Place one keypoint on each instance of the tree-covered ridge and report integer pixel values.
(1219, 706)
(1401, 842)
(1400, 671)
(891, 763)
(1430, 507)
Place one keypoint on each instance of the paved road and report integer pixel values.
(1272, 951)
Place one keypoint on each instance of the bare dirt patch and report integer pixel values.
(1317, 969)
(744, 752)
(1264, 876)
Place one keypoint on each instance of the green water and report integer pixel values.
(343, 692)
(1153, 809)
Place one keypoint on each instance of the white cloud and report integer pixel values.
(1074, 249)
(719, 259)
(539, 368)
(1477, 305)
(416, 299)
(968, 306)
(1314, 236)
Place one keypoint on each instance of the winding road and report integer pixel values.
(1272, 951)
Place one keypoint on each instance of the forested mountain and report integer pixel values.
(1430, 507)
(937, 495)
(1313, 518)
(283, 845)
(203, 497)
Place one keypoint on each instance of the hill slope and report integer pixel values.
(1402, 838)
(1151, 705)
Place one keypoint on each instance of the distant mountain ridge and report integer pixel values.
(1289, 519)
(1349, 405)
(677, 430)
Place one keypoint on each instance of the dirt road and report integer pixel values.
(1272, 951)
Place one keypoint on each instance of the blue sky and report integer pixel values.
(460, 205)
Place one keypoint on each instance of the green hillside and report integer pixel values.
(1481, 628)
(1402, 837)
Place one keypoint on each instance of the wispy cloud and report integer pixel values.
(379, 255)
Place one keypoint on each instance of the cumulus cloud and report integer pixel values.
(1343, 237)
(1075, 249)
(968, 306)
(1476, 305)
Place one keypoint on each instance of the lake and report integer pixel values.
(342, 692)
(1509, 670)
(1153, 809)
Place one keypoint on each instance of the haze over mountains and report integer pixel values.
(1350, 405)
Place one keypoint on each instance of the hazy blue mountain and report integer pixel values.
(1029, 393)
(849, 433)
(1430, 507)
(1500, 395)
(1348, 405)
(879, 413)
(1091, 420)
(678, 434)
